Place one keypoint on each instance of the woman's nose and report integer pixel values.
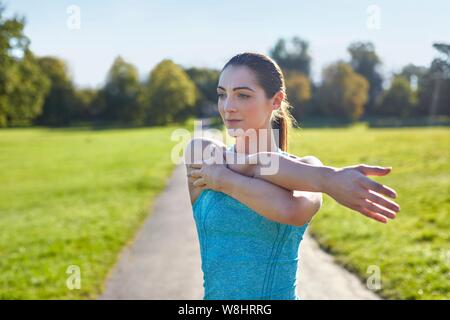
(228, 105)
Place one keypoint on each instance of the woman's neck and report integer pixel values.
(262, 141)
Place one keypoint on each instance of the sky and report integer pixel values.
(207, 33)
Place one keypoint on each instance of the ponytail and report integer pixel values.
(282, 121)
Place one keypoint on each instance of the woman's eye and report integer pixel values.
(220, 95)
(244, 96)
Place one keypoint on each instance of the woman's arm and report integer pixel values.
(269, 200)
(288, 171)
(349, 186)
(284, 206)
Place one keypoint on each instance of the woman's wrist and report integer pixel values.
(325, 177)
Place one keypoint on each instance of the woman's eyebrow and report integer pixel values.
(237, 88)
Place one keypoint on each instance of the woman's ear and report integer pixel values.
(277, 99)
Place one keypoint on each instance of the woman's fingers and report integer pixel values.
(195, 174)
(378, 199)
(379, 210)
(373, 170)
(378, 187)
(373, 215)
(199, 182)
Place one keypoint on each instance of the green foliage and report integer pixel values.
(343, 93)
(22, 84)
(169, 94)
(59, 105)
(28, 87)
(399, 99)
(206, 82)
(299, 93)
(84, 103)
(292, 55)
(121, 94)
(365, 61)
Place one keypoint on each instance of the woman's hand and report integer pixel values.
(350, 187)
(211, 173)
(208, 176)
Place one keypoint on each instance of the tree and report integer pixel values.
(169, 93)
(84, 99)
(298, 89)
(206, 82)
(399, 99)
(440, 71)
(412, 71)
(366, 62)
(421, 85)
(121, 94)
(295, 58)
(22, 85)
(343, 92)
(433, 84)
(28, 89)
(59, 105)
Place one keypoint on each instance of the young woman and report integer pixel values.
(250, 223)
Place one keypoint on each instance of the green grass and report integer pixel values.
(73, 197)
(412, 251)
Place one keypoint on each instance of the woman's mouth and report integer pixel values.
(233, 121)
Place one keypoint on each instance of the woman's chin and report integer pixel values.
(235, 132)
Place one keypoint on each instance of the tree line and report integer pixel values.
(40, 91)
(356, 88)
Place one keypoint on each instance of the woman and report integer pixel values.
(250, 223)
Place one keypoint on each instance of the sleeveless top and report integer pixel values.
(245, 256)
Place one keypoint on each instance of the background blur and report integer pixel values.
(90, 93)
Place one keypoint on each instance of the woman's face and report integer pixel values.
(241, 98)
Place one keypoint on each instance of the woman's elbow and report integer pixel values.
(312, 160)
(303, 209)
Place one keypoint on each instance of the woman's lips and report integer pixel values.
(233, 121)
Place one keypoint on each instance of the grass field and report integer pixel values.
(412, 251)
(73, 197)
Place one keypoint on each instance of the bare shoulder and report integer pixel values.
(196, 146)
(194, 154)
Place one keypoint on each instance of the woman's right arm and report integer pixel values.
(349, 186)
(282, 206)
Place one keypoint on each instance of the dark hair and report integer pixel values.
(271, 79)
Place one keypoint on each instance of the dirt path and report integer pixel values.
(164, 260)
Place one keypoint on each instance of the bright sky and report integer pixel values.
(207, 33)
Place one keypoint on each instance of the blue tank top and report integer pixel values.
(245, 256)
